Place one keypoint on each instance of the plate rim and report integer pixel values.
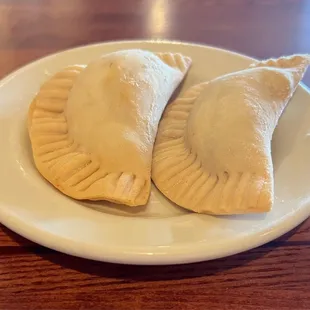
(128, 256)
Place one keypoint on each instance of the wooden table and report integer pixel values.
(274, 276)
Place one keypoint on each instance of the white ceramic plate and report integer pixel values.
(160, 233)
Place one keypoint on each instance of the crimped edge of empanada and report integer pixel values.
(177, 171)
(175, 60)
(53, 149)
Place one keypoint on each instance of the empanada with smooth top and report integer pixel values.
(213, 148)
(92, 129)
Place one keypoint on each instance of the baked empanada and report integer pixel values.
(213, 148)
(92, 129)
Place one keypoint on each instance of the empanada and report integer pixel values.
(92, 129)
(213, 148)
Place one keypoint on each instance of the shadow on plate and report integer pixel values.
(112, 208)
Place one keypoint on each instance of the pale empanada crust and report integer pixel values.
(77, 171)
(225, 167)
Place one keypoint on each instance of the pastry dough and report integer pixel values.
(213, 148)
(92, 129)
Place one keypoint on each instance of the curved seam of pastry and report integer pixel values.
(246, 191)
(60, 82)
(101, 176)
(54, 94)
(43, 137)
(124, 190)
(260, 192)
(170, 123)
(183, 168)
(61, 79)
(50, 134)
(38, 146)
(84, 177)
(56, 109)
(167, 58)
(44, 102)
(172, 133)
(131, 194)
(207, 193)
(117, 176)
(185, 101)
(173, 123)
(46, 121)
(181, 192)
(181, 109)
(77, 170)
(180, 61)
(172, 58)
(141, 191)
(51, 99)
(168, 156)
(39, 109)
(59, 119)
(166, 150)
(51, 163)
(159, 156)
(172, 184)
(54, 84)
(55, 161)
(181, 103)
(220, 194)
(53, 105)
(177, 124)
(41, 150)
(164, 166)
(72, 68)
(56, 156)
(229, 198)
(243, 195)
(194, 91)
(208, 174)
(52, 130)
(68, 148)
(119, 184)
(188, 166)
(170, 169)
(169, 142)
(48, 116)
(69, 145)
(178, 115)
(200, 185)
(179, 106)
(69, 73)
(73, 72)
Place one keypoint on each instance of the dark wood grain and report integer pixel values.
(32, 28)
(249, 280)
(274, 276)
